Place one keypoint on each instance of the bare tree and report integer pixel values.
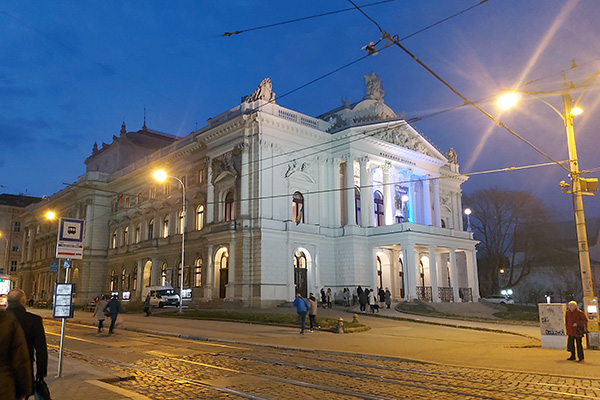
(514, 231)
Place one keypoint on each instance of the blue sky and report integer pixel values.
(71, 72)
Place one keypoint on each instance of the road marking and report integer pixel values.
(73, 337)
(127, 393)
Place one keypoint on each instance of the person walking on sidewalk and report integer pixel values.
(99, 312)
(301, 308)
(388, 297)
(372, 300)
(575, 321)
(312, 311)
(147, 305)
(363, 299)
(114, 309)
(33, 328)
(329, 297)
(323, 298)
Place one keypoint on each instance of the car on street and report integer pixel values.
(499, 299)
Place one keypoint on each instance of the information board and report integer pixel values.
(70, 238)
(63, 300)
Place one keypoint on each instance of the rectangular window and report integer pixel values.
(137, 233)
(139, 198)
(13, 266)
(114, 239)
(152, 193)
(15, 247)
(127, 202)
(200, 177)
(17, 226)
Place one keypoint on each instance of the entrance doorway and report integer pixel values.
(379, 272)
(300, 273)
(147, 274)
(222, 258)
(401, 276)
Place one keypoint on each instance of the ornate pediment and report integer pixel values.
(403, 136)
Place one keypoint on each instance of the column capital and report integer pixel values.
(363, 160)
(386, 167)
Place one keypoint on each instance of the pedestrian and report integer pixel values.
(114, 309)
(312, 311)
(15, 368)
(372, 300)
(99, 312)
(323, 298)
(388, 297)
(354, 296)
(576, 322)
(301, 308)
(147, 305)
(346, 297)
(329, 297)
(35, 336)
(381, 294)
(363, 299)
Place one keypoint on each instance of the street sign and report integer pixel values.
(67, 264)
(63, 300)
(1, 270)
(54, 267)
(70, 238)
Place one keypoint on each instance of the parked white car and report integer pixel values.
(499, 299)
(161, 296)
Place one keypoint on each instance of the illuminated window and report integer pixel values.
(298, 207)
(378, 203)
(114, 239)
(137, 233)
(125, 236)
(165, 227)
(181, 224)
(163, 274)
(151, 229)
(229, 207)
(200, 217)
(198, 272)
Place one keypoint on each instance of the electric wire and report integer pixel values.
(393, 39)
(228, 34)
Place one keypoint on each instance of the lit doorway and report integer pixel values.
(300, 273)
(222, 265)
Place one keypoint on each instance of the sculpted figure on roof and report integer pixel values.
(374, 91)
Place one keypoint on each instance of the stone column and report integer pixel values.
(364, 209)
(472, 273)
(433, 274)
(210, 194)
(244, 177)
(349, 192)
(388, 203)
(454, 277)
(155, 272)
(369, 198)
(337, 195)
(426, 201)
(232, 271)
(208, 272)
(140, 279)
(437, 218)
(412, 199)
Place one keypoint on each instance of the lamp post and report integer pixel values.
(468, 214)
(569, 111)
(161, 176)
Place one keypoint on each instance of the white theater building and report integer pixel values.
(278, 202)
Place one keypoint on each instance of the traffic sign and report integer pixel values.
(67, 264)
(70, 238)
(54, 267)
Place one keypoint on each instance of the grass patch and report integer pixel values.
(519, 313)
(419, 308)
(326, 324)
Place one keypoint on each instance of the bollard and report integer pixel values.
(340, 326)
(355, 319)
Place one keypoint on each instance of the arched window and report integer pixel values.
(379, 272)
(200, 217)
(138, 229)
(124, 280)
(165, 227)
(114, 281)
(134, 278)
(198, 272)
(357, 205)
(181, 224)
(229, 207)
(151, 229)
(113, 242)
(125, 236)
(298, 208)
(378, 209)
(163, 274)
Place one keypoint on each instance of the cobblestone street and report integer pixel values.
(161, 367)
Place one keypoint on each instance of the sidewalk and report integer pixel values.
(80, 379)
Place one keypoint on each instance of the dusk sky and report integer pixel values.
(72, 72)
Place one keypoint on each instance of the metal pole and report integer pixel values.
(582, 240)
(183, 226)
(62, 328)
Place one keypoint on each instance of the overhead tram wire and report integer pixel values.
(393, 39)
(289, 195)
(228, 34)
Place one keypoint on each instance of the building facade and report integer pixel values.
(278, 202)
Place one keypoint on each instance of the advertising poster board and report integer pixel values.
(552, 325)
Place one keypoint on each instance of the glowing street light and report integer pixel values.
(50, 215)
(468, 214)
(161, 175)
(575, 111)
(507, 100)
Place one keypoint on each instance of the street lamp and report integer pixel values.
(569, 111)
(468, 214)
(161, 176)
(50, 215)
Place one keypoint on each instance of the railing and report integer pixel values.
(446, 294)
(424, 293)
(465, 294)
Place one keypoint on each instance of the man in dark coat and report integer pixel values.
(33, 327)
(575, 322)
(114, 309)
(15, 370)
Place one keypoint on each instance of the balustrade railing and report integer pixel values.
(424, 293)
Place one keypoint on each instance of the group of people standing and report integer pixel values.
(375, 300)
(22, 345)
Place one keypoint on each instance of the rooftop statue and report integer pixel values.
(374, 91)
(263, 92)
